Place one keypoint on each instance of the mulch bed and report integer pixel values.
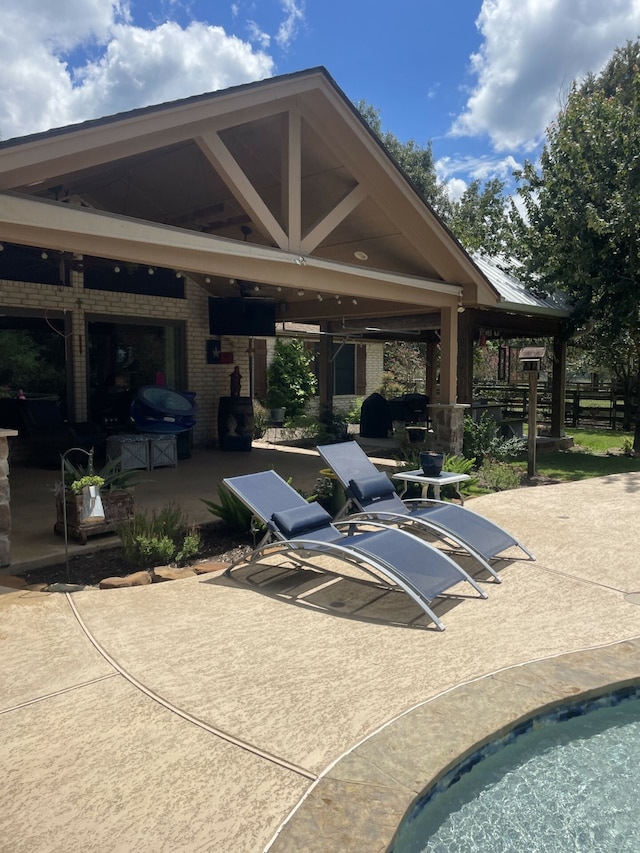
(218, 543)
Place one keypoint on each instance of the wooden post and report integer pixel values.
(533, 426)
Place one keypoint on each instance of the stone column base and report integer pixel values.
(5, 500)
(447, 422)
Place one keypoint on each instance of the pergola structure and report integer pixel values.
(278, 187)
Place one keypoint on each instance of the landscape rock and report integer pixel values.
(136, 579)
(12, 582)
(207, 566)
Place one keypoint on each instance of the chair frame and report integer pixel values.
(410, 520)
(345, 540)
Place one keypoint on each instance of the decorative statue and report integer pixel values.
(235, 381)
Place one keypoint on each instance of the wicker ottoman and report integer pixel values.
(133, 451)
(162, 450)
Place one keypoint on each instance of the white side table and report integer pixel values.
(446, 478)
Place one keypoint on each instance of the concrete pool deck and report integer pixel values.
(209, 714)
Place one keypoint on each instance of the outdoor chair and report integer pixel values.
(299, 529)
(374, 496)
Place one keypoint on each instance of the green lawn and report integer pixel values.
(596, 454)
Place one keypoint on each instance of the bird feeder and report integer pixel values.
(530, 359)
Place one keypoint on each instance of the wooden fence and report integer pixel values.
(583, 407)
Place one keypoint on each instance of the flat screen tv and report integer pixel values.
(252, 316)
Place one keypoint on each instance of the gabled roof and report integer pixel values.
(278, 182)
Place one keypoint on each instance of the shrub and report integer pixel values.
(162, 537)
(481, 440)
(291, 380)
(499, 476)
(260, 419)
(230, 510)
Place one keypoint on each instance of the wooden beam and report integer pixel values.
(225, 164)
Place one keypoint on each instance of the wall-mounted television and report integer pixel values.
(253, 316)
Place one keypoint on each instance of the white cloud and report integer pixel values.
(482, 168)
(531, 51)
(455, 188)
(294, 16)
(91, 61)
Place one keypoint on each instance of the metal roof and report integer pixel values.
(516, 293)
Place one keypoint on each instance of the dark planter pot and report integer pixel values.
(431, 463)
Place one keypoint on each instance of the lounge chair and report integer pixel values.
(373, 494)
(295, 526)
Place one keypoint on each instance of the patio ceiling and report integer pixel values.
(277, 184)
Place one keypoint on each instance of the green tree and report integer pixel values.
(580, 230)
(404, 368)
(479, 219)
(291, 380)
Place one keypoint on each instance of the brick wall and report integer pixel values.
(209, 381)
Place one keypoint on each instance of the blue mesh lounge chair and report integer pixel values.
(295, 526)
(373, 494)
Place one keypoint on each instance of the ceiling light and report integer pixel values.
(256, 287)
(207, 280)
(44, 256)
(178, 275)
(320, 297)
(355, 301)
(151, 270)
(116, 269)
(301, 293)
(361, 256)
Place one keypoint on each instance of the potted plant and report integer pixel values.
(113, 487)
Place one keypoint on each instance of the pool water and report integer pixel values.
(563, 786)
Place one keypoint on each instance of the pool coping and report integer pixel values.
(358, 803)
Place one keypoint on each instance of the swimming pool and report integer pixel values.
(568, 781)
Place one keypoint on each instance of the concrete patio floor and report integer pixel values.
(208, 714)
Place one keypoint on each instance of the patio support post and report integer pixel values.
(448, 355)
(447, 417)
(558, 386)
(77, 352)
(465, 357)
(5, 498)
(325, 378)
(432, 372)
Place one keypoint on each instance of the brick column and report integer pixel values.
(5, 499)
(447, 423)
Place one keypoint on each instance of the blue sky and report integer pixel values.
(480, 79)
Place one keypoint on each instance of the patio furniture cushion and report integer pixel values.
(370, 488)
(301, 519)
